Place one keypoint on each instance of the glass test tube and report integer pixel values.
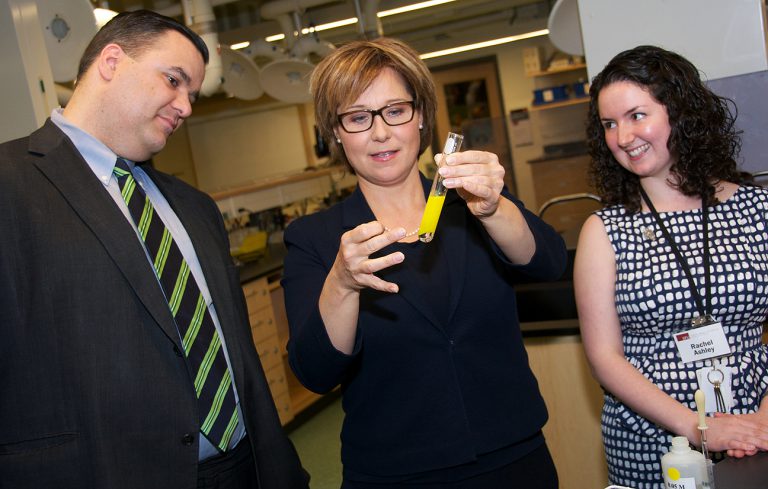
(437, 193)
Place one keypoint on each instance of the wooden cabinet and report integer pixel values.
(269, 328)
(264, 332)
(574, 401)
(301, 397)
(558, 177)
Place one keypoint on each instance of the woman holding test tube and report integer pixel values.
(422, 337)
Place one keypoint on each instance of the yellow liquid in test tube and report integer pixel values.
(431, 215)
(437, 193)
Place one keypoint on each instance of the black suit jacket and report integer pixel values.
(94, 391)
(422, 391)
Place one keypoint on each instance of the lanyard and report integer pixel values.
(704, 309)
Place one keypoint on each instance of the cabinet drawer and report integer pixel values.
(276, 380)
(283, 405)
(262, 324)
(256, 294)
(269, 352)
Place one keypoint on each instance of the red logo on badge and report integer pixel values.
(682, 337)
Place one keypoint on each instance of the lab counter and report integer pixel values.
(742, 473)
(268, 263)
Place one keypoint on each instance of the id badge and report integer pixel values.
(702, 342)
(715, 382)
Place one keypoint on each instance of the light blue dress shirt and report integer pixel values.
(102, 161)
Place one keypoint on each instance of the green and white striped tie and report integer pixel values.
(201, 342)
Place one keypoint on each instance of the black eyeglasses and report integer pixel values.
(362, 120)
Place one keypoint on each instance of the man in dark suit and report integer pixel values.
(107, 379)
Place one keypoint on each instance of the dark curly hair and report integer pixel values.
(703, 138)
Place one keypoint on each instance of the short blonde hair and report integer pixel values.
(341, 77)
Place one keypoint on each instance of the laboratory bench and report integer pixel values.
(270, 262)
(742, 473)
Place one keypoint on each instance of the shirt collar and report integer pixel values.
(99, 157)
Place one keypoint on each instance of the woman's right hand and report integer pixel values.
(354, 269)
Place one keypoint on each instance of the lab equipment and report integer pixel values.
(437, 192)
(700, 403)
(684, 468)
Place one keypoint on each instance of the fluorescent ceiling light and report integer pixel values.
(240, 45)
(411, 8)
(352, 20)
(276, 37)
(321, 27)
(485, 44)
(331, 25)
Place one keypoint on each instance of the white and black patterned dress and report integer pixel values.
(653, 300)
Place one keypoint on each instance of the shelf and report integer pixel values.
(561, 69)
(278, 180)
(564, 103)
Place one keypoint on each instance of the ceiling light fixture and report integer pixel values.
(352, 20)
(411, 8)
(321, 27)
(485, 44)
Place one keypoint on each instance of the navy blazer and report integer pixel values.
(94, 389)
(416, 397)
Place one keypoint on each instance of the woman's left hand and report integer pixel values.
(477, 176)
(760, 417)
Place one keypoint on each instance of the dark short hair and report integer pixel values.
(343, 75)
(703, 138)
(135, 32)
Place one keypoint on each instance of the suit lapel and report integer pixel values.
(453, 235)
(356, 211)
(456, 231)
(70, 174)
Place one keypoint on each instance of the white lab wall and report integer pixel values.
(725, 39)
(28, 94)
(236, 149)
(721, 37)
(750, 94)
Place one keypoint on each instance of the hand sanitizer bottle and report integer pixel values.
(684, 468)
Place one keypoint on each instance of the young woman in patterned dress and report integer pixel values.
(683, 235)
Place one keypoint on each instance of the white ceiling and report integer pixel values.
(453, 24)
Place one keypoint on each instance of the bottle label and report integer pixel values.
(679, 482)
